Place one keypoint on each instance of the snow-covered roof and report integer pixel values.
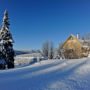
(85, 43)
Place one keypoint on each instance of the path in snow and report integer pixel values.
(48, 75)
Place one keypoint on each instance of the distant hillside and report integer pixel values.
(19, 52)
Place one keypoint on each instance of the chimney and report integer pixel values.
(77, 35)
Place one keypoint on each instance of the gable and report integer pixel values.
(71, 43)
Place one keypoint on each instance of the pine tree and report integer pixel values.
(2, 58)
(7, 42)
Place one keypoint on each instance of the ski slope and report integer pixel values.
(48, 75)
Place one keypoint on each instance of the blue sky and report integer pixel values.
(35, 21)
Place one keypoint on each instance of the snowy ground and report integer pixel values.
(48, 75)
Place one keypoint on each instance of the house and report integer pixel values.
(76, 47)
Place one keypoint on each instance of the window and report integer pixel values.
(71, 38)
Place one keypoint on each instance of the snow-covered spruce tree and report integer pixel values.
(7, 42)
(2, 57)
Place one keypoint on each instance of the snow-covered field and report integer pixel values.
(48, 75)
(24, 59)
